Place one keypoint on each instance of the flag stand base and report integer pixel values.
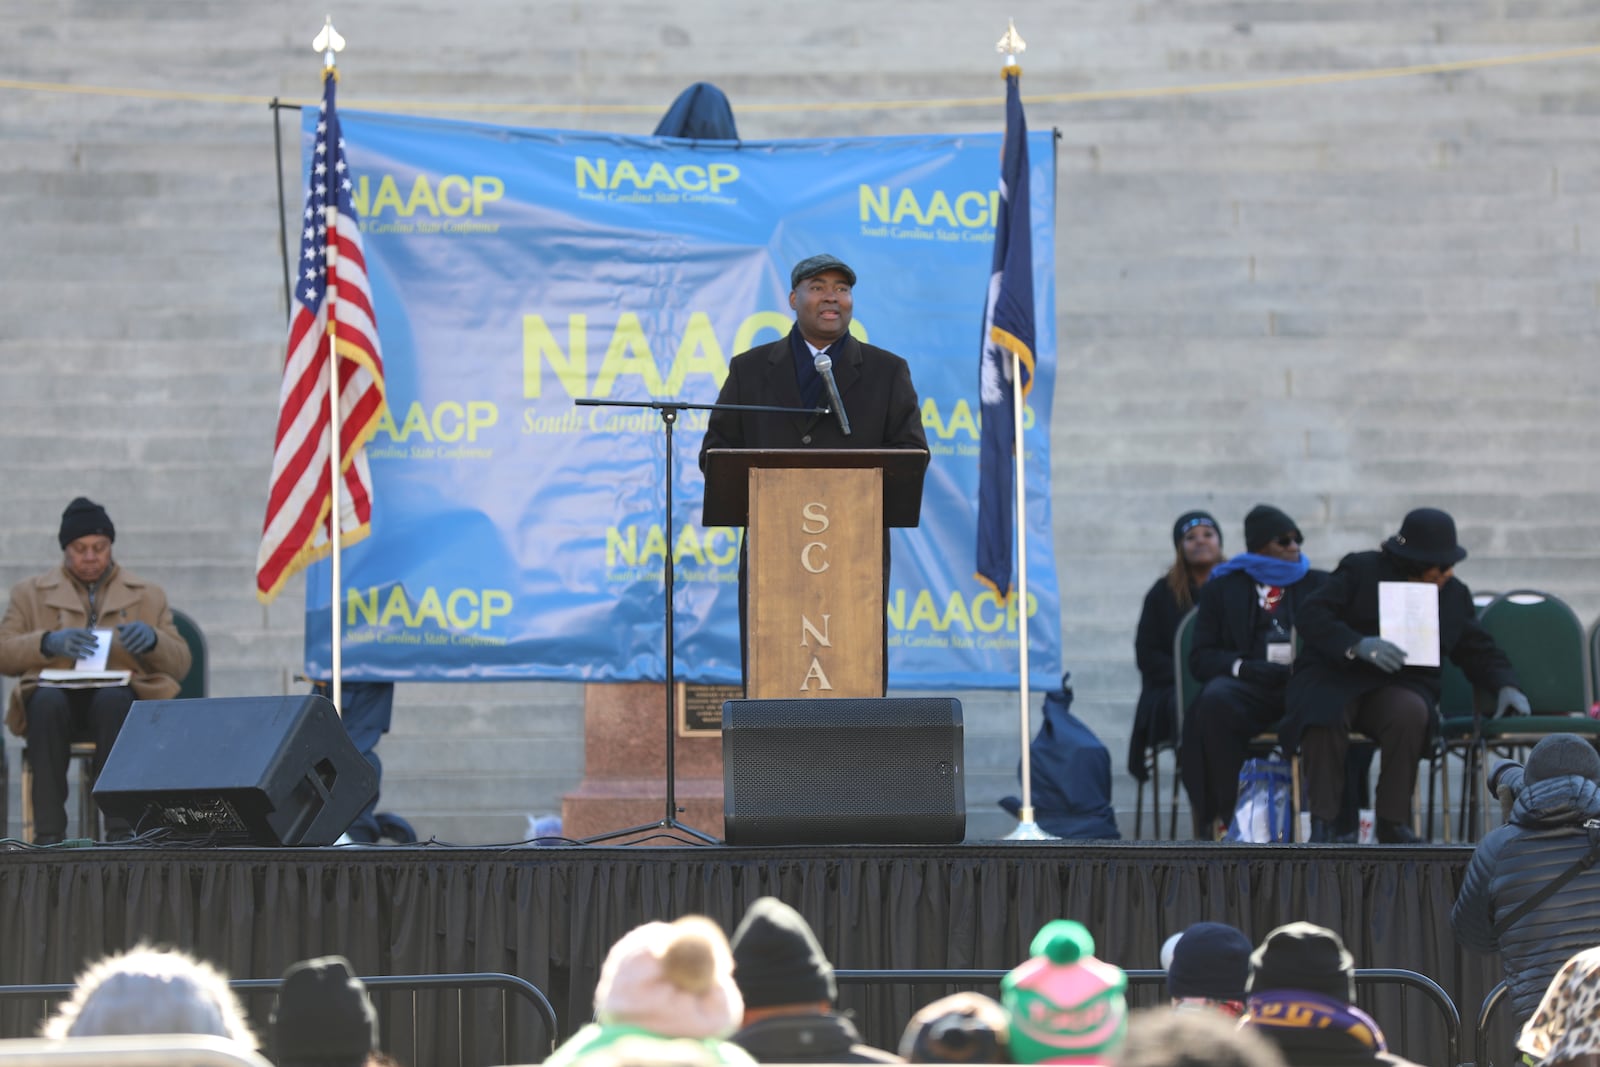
(1028, 830)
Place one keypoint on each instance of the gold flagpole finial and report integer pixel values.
(1012, 44)
(328, 42)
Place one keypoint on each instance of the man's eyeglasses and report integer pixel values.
(1291, 539)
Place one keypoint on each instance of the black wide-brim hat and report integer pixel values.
(1427, 535)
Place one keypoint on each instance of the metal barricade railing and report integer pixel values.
(509, 985)
(1486, 1013)
(166, 1050)
(1448, 1012)
(1449, 1016)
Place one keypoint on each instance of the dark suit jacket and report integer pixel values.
(874, 384)
(1344, 611)
(1225, 629)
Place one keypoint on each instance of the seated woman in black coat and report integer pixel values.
(1198, 543)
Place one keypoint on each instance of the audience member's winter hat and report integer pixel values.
(1211, 960)
(84, 518)
(671, 979)
(1264, 524)
(1563, 1027)
(1189, 520)
(1560, 755)
(776, 958)
(961, 1028)
(323, 1015)
(1066, 1006)
(1304, 956)
(149, 990)
(1168, 947)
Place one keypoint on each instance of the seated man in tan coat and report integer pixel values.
(50, 623)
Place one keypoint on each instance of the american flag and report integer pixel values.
(296, 531)
(1007, 331)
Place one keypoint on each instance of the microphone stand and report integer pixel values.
(668, 824)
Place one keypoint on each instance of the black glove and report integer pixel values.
(1505, 782)
(73, 644)
(1264, 672)
(137, 637)
(1381, 654)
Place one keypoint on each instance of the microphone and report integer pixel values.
(825, 368)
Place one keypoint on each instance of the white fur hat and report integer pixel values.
(673, 979)
(151, 991)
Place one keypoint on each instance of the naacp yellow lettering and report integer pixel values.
(612, 175)
(447, 421)
(453, 195)
(629, 355)
(984, 613)
(716, 545)
(973, 209)
(461, 609)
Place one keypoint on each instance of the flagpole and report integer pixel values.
(1027, 830)
(328, 42)
(1020, 520)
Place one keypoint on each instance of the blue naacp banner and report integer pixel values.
(518, 536)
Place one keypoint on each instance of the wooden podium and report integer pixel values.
(816, 538)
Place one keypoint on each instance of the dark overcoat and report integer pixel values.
(874, 385)
(1225, 629)
(1344, 611)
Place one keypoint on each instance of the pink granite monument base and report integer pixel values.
(624, 769)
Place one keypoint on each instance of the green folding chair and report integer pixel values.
(1594, 659)
(196, 683)
(1460, 705)
(1188, 688)
(1545, 643)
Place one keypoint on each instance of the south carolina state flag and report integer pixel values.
(1007, 330)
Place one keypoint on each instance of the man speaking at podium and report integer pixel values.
(871, 384)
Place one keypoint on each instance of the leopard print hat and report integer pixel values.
(1567, 1022)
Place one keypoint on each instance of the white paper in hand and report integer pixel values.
(96, 660)
(1408, 616)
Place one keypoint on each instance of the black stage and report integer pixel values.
(549, 914)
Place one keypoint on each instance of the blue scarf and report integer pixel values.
(1264, 569)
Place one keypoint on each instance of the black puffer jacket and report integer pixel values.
(1545, 836)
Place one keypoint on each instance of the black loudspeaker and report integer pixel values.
(824, 772)
(237, 770)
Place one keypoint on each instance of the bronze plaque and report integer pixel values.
(700, 708)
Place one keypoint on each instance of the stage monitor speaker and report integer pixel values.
(859, 771)
(237, 770)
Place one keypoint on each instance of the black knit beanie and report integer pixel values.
(323, 1016)
(1304, 956)
(1263, 524)
(1190, 519)
(776, 958)
(83, 518)
(1561, 755)
(1211, 960)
